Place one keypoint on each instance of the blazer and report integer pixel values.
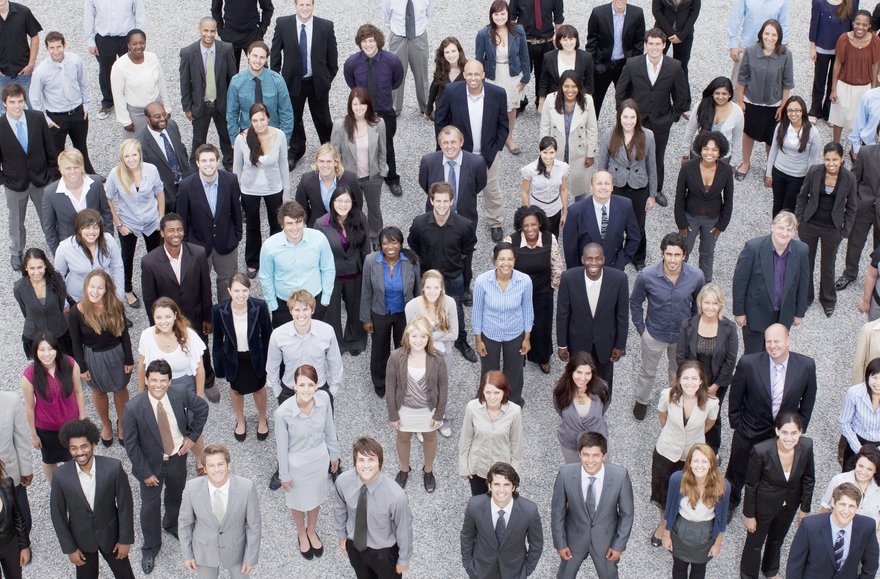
(156, 156)
(13, 526)
(583, 135)
(453, 110)
(578, 328)
(661, 103)
(59, 214)
(79, 526)
(347, 261)
(867, 348)
(811, 553)
(224, 348)
(233, 542)
(519, 551)
(750, 406)
(40, 317)
(37, 167)
(192, 76)
(308, 193)
(843, 214)
(600, 34)
(15, 445)
(221, 232)
(583, 71)
(472, 179)
(867, 172)
(621, 238)
(373, 285)
(323, 56)
(436, 383)
(692, 199)
(723, 356)
(517, 53)
(192, 293)
(348, 148)
(678, 20)
(637, 173)
(767, 489)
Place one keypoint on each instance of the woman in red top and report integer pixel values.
(854, 73)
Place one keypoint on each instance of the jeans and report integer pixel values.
(702, 226)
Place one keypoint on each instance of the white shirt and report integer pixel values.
(598, 207)
(475, 112)
(174, 261)
(176, 435)
(78, 204)
(698, 514)
(87, 482)
(299, 24)
(224, 493)
(137, 85)
(157, 136)
(394, 12)
(496, 509)
(597, 484)
(847, 537)
(653, 73)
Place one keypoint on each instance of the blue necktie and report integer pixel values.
(839, 542)
(604, 229)
(21, 133)
(304, 50)
(172, 158)
(453, 182)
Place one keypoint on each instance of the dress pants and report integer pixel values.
(830, 239)
(121, 568)
(639, 198)
(605, 368)
(713, 437)
(702, 226)
(512, 365)
(491, 195)
(605, 569)
(240, 40)
(390, 130)
(479, 486)
(413, 53)
(16, 207)
(373, 563)
(785, 191)
(682, 53)
(76, 125)
(738, 464)
(385, 327)
(867, 216)
(772, 529)
(372, 189)
(823, 73)
(128, 247)
(536, 56)
(661, 139)
(602, 81)
(224, 267)
(652, 349)
(455, 289)
(109, 49)
(542, 330)
(200, 126)
(319, 107)
(353, 337)
(253, 228)
(172, 476)
(204, 572)
(680, 569)
(10, 563)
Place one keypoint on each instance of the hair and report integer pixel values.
(713, 289)
(786, 219)
(181, 323)
(872, 368)
(833, 147)
(349, 122)
(168, 218)
(355, 221)
(54, 281)
(257, 44)
(438, 308)
(637, 148)
(205, 19)
(419, 324)
(63, 368)
(79, 428)
(502, 246)
(302, 296)
(329, 149)
(497, 379)
(73, 157)
(369, 31)
(543, 145)
(590, 439)
(87, 218)
(676, 392)
(656, 33)
(126, 176)
(55, 36)
(290, 209)
(306, 370)
(393, 233)
(563, 393)
(706, 137)
(109, 316)
(568, 31)
(706, 108)
(857, 14)
(784, 123)
(715, 486)
(502, 468)
(870, 453)
(441, 67)
(675, 240)
(495, 7)
(207, 148)
(252, 138)
(846, 489)
(787, 417)
(844, 10)
(367, 446)
(580, 99)
(135, 32)
(450, 130)
(441, 187)
(238, 277)
(160, 366)
(780, 47)
(524, 211)
(13, 89)
(213, 449)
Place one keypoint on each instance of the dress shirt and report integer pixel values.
(78, 204)
(765, 76)
(240, 98)
(87, 482)
(176, 435)
(112, 18)
(485, 441)
(309, 27)
(594, 289)
(858, 417)
(523, 13)
(13, 123)
(598, 208)
(597, 484)
(864, 131)
(502, 315)
(60, 87)
(750, 14)
(160, 142)
(780, 262)
(618, 18)
(318, 347)
(211, 194)
(788, 159)
(286, 267)
(653, 72)
(15, 33)
(847, 537)
(137, 209)
(224, 493)
(327, 192)
(475, 114)
(496, 510)
(442, 247)
(137, 85)
(389, 76)
(668, 305)
(394, 13)
(782, 371)
(174, 262)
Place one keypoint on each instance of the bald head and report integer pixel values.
(777, 342)
(474, 75)
(602, 185)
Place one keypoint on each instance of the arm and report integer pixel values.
(266, 12)
(285, 119)
(60, 518)
(730, 352)
(636, 301)
(754, 476)
(276, 51)
(334, 366)
(737, 395)
(525, 187)
(282, 442)
(798, 552)
(185, 84)
(186, 521)
(563, 315)
(726, 198)
(50, 221)
(536, 543)
(808, 481)
(623, 87)
(808, 400)
(733, 24)
(625, 512)
(327, 267)
(681, 194)
(468, 537)
(233, 107)
(274, 358)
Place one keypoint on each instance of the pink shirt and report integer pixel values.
(52, 414)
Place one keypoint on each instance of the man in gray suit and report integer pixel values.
(16, 449)
(492, 545)
(219, 522)
(592, 511)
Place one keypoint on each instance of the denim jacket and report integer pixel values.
(518, 53)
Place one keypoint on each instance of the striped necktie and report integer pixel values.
(777, 390)
(838, 549)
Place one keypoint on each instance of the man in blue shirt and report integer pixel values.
(750, 14)
(258, 84)
(864, 131)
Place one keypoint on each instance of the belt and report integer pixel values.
(67, 113)
(539, 40)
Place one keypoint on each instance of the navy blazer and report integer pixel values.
(220, 233)
(192, 293)
(577, 328)
(812, 551)
(517, 53)
(39, 166)
(224, 349)
(453, 110)
(621, 239)
(472, 178)
(308, 194)
(59, 214)
(323, 56)
(600, 34)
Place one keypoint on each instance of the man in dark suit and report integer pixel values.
(454, 110)
(615, 32)
(584, 225)
(496, 546)
(209, 204)
(765, 384)
(203, 96)
(91, 505)
(162, 146)
(308, 64)
(242, 22)
(770, 282)
(867, 172)
(540, 19)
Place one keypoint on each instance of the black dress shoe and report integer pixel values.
(466, 351)
(640, 410)
(497, 234)
(147, 563)
(396, 189)
(317, 551)
(291, 164)
(829, 310)
(661, 199)
(262, 435)
(467, 299)
(275, 482)
(842, 283)
(252, 273)
(639, 266)
(380, 392)
(108, 442)
(308, 555)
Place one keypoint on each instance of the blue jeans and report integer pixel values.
(24, 80)
(455, 290)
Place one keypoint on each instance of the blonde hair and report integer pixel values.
(422, 325)
(438, 308)
(715, 290)
(329, 148)
(126, 176)
(714, 488)
(72, 156)
(786, 219)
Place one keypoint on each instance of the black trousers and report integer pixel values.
(319, 107)
(713, 437)
(353, 337)
(206, 358)
(202, 123)
(823, 72)
(680, 568)
(682, 53)
(512, 364)
(639, 198)
(455, 288)
(785, 191)
(536, 56)
(109, 49)
(76, 125)
(661, 139)
(542, 330)
(866, 218)
(753, 341)
(172, 477)
(373, 563)
(390, 130)
(253, 228)
(240, 40)
(479, 486)
(605, 368)
(738, 464)
(603, 80)
(128, 246)
(282, 314)
(385, 328)
(770, 534)
(121, 568)
(10, 561)
(830, 239)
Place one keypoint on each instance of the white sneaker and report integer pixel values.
(445, 431)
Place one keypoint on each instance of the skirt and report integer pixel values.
(107, 369)
(510, 84)
(188, 382)
(246, 381)
(760, 122)
(691, 541)
(843, 112)
(661, 469)
(51, 448)
(415, 419)
(308, 473)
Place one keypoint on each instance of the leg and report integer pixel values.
(398, 45)
(372, 188)
(205, 572)
(541, 338)
(353, 337)
(390, 130)
(792, 188)
(492, 359)
(740, 447)
(219, 117)
(10, 562)
(639, 198)
(121, 568)
(713, 437)
(91, 568)
(107, 53)
(206, 363)
(16, 207)
(751, 555)
(419, 52)
(151, 517)
(707, 248)
(810, 235)
(820, 76)
(281, 315)
(359, 562)
(404, 445)
(606, 370)
(602, 81)
(430, 449)
(200, 126)
(752, 341)
(478, 485)
(661, 138)
(858, 236)
(513, 367)
(273, 203)
(455, 289)
(333, 313)
(253, 237)
(748, 145)
(260, 403)
(299, 521)
(78, 128)
(569, 569)
(298, 140)
(319, 107)
(175, 480)
(48, 471)
(651, 351)
(380, 350)
(492, 196)
(312, 528)
(777, 531)
(830, 242)
(237, 401)
(224, 267)
(120, 399)
(102, 406)
(679, 568)
(672, 364)
(511, 122)
(682, 53)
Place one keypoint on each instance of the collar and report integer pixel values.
(206, 50)
(206, 184)
(308, 22)
(598, 205)
(592, 282)
(163, 400)
(156, 134)
(62, 187)
(784, 363)
(457, 160)
(834, 527)
(784, 253)
(508, 508)
(373, 486)
(13, 122)
(477, 97)
(318, 402)
(295, 333)
(524, 243)
(619, 14)
(224, 487)
(380, 257)
(80, 471)
(600, 476)
(170, 257)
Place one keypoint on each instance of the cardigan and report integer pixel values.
(436, 383)
(674, 498)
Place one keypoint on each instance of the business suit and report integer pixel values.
(600, 44)
(16, 449)
(153, 154)
(582, 137)
(371, 186)
(59, 214)
(678, 20)
(621, 238)
(584, 69)
(591, 535)
(867, 172)
(232, 542)
(308, 194)
(225, 346)
(812, 550)
(518, 552)
(98, 528)
(14, 536)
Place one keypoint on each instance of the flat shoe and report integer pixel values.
(252, 273)
(240, 437)
(740, 176)
(136, 304)
(515, 150)
(402, 477)
(262, 435)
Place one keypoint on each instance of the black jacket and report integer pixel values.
(600, 34)
(692, 199)
(348, 261)
(442, 248)
(324, 55)
(156, 156)
(192, 76)
(723, 356)
(577, 328)
(225, 347)
(220, 233)
(308, 194)
(661, 103)
(192, 294)
(12, 527)
(39, 166)
(678, 20)
(767, 489)
(472, 178)
(583, 70)
(843, 214)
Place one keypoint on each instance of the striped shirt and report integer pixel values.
(858, 418)
(502, 315)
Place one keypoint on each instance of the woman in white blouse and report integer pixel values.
(545, 184)
(136, 81)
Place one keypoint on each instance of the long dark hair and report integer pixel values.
(676, 392)
(637, 148)
(348, 123)
(580, 99)
(54, 281)
(500, 6)
(706, 108)
(83, 219)
(355, 222)
(563, 394)
(251, 137)
(63, 368)
(784, 123)
(546, 143)
(441, 67)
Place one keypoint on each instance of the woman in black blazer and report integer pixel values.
(676, 19)
(15, 542)
(327, 170)
(826, 210)
(780, 477)
(568, 56)
(41, 295)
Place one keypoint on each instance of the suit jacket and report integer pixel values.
(692, 198)
(812, 551)
(221, 232)
(678, 20)
(583, 71)
(621, 238)
(600, 34)
(308, 193)
(578, 328)
(520, 550)
(59, 214)
(348, 148)
(79, 526)
(453, 110)
(843, 214)
(39, 166)
(153, 154)
(723, 356)
(38, 317)
(192, 293)
(224, 348)
(192, 76)
(750, 407)
(767, 489)
(233, 542)
(867, 172)
(12, 529)
(15, 445)
(661, 103)
(867, 348)
(753, 284)
(323, 55)
(436, 386)
(348, 261)
(472, 178)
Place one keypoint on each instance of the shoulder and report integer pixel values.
(525, 504)
(477, 502)
(618, 200)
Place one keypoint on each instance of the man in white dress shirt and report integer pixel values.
(408, 22)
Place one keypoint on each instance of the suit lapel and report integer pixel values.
(74, 482)
(13, 137)
(825, 537)
(150, 419)
(152, 144)
(767, 270)
(764, 372)
(515, 513)
(576, 482)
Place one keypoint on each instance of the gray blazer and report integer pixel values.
(636, 174)
(58, 212)
(520, 550)
(15, 449)
(192, 76)
(373, 285)
(232, 543)
(348, 149)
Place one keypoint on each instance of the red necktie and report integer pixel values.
(538, 23)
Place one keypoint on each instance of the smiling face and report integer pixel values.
(505, 261)
(218, 469)
(390, 249)
(441, 204)
(710, 152)
(157, 384)
(304, 9)
(700, 464)
(832, 162)
(342, 204)
(861, 26)
(628, 119)
(721, 96)
(136, 46)
(781, 234)
(473, 76)
(367, 467)
(46, 354)
(710, 305)
(499, 18)
(690, 382)
(795, 113)
(418, 340)
(531, 227)
(132, 158)
(591, 459)
(777, 342)
(239, 293)
(654, 48)
(548, 156)
(260, 122)
(55, 50)
(568, 43)
(865, 470)
(207, 33)
(431, 290)
(874, 383)
(569, 90)
(207, 164)
(90, 233)
(157, 117)
(293, 229)
(35, 269)
(602, 186)
(164, 318)
(14, 106)
(257, 59)
(769, 37)
(326, 163)
(593, 258)
(788, 435)
(305, 390)
(82, 451)
(843, 510)
(301, 314)
(451, 53)
(501, 490)
(96, 289)
(369, 46)
(358, 108)
(72, 173)
(450, 143)
(582, 376)
(172, 234)
(673, 257)
(493, 396)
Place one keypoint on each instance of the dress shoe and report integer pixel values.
(355, 353)
(240, 437)
(275, 482)
(15, 261)
(107, 442)
(402, 477)
(639, 410)
(466, 351)
(661, 199)
(291, 164)
(308, 554)
(261, 436)
(395, 188)
(639, 266)
(467, 299)
(430, 481)
(545, 367)
(497, 234)
(147, 563)
(829, 310)
(136, 304)
(252, 273)
(655, 542)
(212, 394)
(171, 532)
(842, 283)
(380, 392)
(317, 551)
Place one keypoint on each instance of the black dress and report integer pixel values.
(535, 262)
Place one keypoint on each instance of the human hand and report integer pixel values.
(246, 569)
(735, 54)
(768, 181)
(813, 54)
(26, 480)
(128, 368)
(801, 516)
(435, 424)
(286, 485)
(400, 567)
(864, 306)
(121, 550)
(715, 550)
(751, 524)
(190, 565)
(480, 347)
(207, 328)
(123, 230)
(35, 441)
(24, 556)
(52, 125)
(342, 547)
(741, 321)
(189, 115)
(666, 539)
(834, 95)
(526, 346)
(564, 553)
(152, 481)
(395, 424)
(649, 204)
(613, 555)
(368, 327)
(93, 50)
(713, 389)
(715, 232)
(186, 445)
(797, 321)
(617, 354)
(27, 69)
(85, 376)
(588, 161)
(684, 232)
(77, 558)
(334, 465)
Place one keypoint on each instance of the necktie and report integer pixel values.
(591, 497)
(372, 87)
(538, 22)
(172, 158)
(778, 385)
(500, 526)
(453, 182)
(838, 549)
(360, 521)
(66, 88)
(164, 429)
(304, 50)
(410, 20)
(21, 133)
(210, 79)
(217, 506)
(258, 90)
(604, 228)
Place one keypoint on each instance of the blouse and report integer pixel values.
(732, 129)
(136, 85)
(138, 210)
(855, 63)
(53, 413)
(82, 335)
(270, 175)
(442, 340)
(676, 438)
(240, 324)
(485, 441)
(545, 192)
(296, 432)
(573, 424)
(765, 76)
(858, 418)
(502, 315)
(73, 263)
(787, 159)
(182, 363)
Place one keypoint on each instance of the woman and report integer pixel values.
(504, 53)
(686, 413)
(545, 184)
(260, 162)
(676, 18)
(865, 475)
(826, 210)
(136, 81)
(854, 72)
(502, 318)
(102, 349)
(449, 61)
(828, 20)
(716, 112)
(390, 280)
(581, 399)
(571, 119)
(88, 249)
(538, 256)
(860, 414)
(696, 513)
(704, 198)
(242, 94)
(242, 328)
(567, 56)
(41, 295)
(417, 386)
(346, 230)
(491, 432)
(627, 152)
(360, 139)
(316, 186)
(137, 203)
(780, 477)
(306, 437)
(795, 148)
(15, 542)
(52, 395)
(766, 77)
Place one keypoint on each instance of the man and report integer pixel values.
(864, 131)
(659, 86)
(765, 384)
(592, 312)
(840, 544)
(242, 22)
(372, 516)
(304, 51)
(670, 288)
(591, 514)
(60, 88)
(16, 450)
(220, 522)
(408, 22)
(27, 164)
(91, 505)
(615, 32)
(19, 45)
(493, 545)
(206, 68)
(605, 219)
(258, 84)
(162, 146)
(294, 259)
(770, 282)
(161, 425)
(442, 240)
(540, 19)
(479, 111)
(209, 205)
(751, 15)
(867, 171)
